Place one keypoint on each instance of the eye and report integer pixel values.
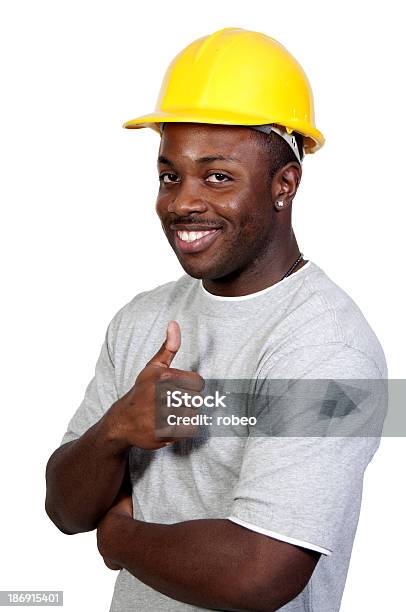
(168, 177)
(219, 177)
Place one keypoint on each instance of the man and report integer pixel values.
(252, 522)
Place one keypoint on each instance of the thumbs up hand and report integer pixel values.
(134, 413)
(164, 356)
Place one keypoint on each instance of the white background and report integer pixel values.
(80, 236)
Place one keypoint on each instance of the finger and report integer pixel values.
(164, 356)
(166, 406)
(183, 379)
(173, 433)
(183, 422)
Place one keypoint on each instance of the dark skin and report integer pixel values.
(256, 245)
(212, 563)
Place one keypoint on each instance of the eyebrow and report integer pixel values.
(200, 160)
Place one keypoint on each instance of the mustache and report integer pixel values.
(196, 221)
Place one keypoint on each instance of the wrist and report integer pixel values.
(112, 430)
(108, 530)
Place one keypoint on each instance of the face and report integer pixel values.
(214, 199)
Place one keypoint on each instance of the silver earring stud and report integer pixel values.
(279, 204)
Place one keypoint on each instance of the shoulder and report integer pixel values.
(329, 323)
(352, 329)
(155, 299)
(141, 310)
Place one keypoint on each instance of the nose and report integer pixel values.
(188, 199)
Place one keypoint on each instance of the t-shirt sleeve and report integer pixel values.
(300, 484)
(100, 393)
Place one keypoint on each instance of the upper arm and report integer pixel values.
(100, 394)
(275, 572)
(299, 492)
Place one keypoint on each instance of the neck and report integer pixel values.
(264, 272)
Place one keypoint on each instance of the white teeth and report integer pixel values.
(191, 236)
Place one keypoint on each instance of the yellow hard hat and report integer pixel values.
(236, 77)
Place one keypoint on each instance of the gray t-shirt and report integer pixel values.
(301, 489)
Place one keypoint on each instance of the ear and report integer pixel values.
(286, 182)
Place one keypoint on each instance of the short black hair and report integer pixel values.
(278, 150)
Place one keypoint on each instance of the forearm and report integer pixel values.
(193, 561)
(83, 478)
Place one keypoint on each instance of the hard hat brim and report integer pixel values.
(313, 139)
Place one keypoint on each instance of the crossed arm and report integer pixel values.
(212, 563)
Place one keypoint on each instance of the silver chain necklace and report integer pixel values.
(292, 267)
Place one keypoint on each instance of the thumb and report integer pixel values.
(169, 348)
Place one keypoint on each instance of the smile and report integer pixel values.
(195, 241)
